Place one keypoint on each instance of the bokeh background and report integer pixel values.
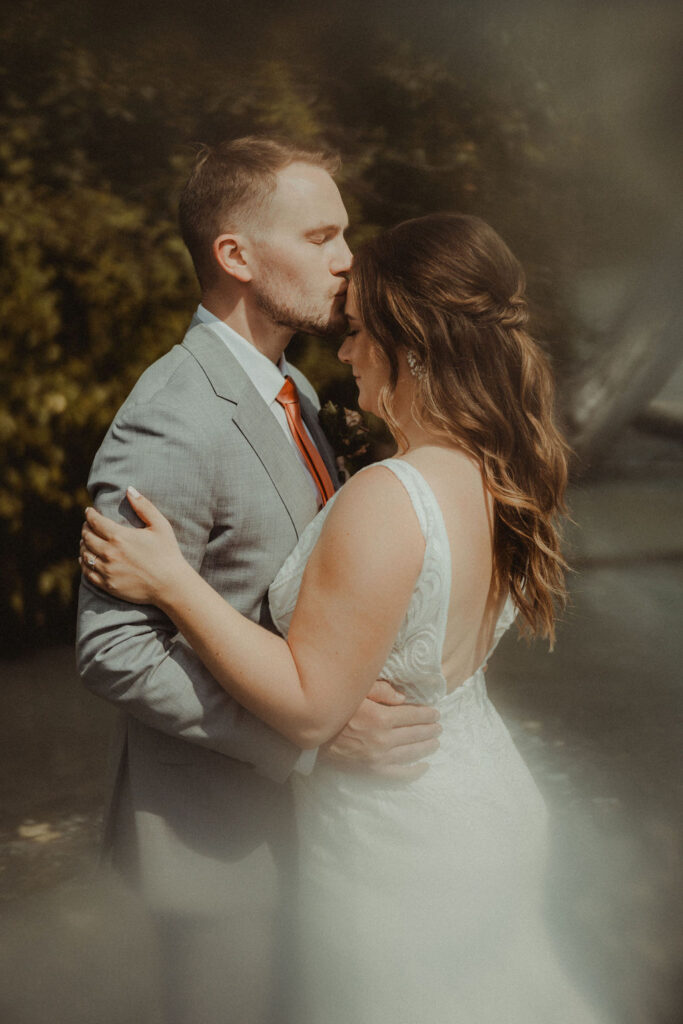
(559, 122)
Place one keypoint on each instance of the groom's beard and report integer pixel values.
(296, 319)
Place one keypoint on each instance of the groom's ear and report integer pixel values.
(228, 250)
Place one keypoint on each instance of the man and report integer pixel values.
(214, 434)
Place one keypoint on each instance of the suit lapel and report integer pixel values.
(255, 421)
(279, 459)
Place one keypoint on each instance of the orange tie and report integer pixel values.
(289, 400)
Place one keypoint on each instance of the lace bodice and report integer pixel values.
(414, 662)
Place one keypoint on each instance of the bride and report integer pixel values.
(418, 901)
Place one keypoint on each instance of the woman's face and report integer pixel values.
(368, 363)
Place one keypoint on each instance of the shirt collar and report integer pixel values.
(264, 374)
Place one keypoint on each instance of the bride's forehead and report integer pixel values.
(351, 305)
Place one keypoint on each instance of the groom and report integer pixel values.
(200, 817)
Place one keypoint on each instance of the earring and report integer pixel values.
(415, 366)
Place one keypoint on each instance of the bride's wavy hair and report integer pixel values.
(447, 289)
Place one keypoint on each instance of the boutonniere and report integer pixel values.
(349, 436)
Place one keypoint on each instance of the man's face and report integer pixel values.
(299, 256)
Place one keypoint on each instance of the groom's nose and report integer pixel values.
(343, 258)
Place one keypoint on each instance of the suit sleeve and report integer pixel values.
(130, 654)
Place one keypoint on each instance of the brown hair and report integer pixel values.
(447, 288)
(233, 179)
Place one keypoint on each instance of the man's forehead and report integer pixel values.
(307, 187)
(301, 177)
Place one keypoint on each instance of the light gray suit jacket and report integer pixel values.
(198, 807)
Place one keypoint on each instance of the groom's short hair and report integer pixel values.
(228, 183)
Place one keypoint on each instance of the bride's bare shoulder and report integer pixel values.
(373, 513)
(375, 489)
(453, 474)
(457, 482)
(444, 459)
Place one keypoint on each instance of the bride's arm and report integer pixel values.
(354, 595)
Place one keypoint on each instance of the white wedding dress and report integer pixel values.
(422, 901)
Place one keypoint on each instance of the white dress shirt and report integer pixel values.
(267, 377)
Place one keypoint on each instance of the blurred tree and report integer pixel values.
(95, 282)
(92, 287)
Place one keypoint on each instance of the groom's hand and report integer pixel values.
(386, 736)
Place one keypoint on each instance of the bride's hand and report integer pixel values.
(137, 565)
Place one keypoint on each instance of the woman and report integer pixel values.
(418, 901)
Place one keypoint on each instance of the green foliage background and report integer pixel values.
(96, 126)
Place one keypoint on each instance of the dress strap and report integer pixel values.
(419, 492)
(427, 618)
(437, 558)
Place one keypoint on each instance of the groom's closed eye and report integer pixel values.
(320, 237)
(322, 234)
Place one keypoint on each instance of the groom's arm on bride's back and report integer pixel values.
(386, 736)
(129, 654)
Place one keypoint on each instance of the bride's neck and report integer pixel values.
(411, 434)
(417, 436)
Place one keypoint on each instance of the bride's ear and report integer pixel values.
(229, 253)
